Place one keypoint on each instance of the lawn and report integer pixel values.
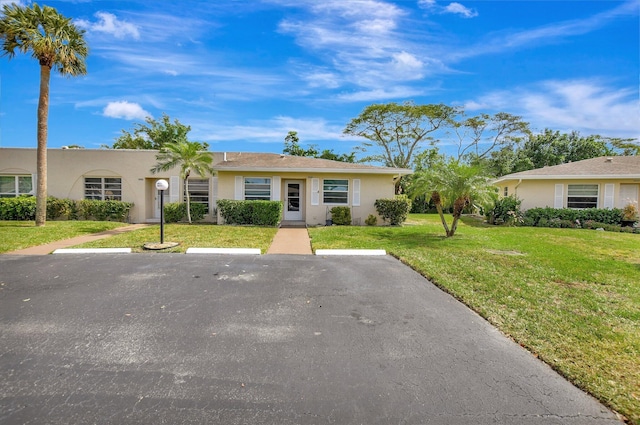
(16, 235)
(572, 297)
(196, 235)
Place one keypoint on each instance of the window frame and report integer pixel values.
(266, 181)
(595, 198)
(198, 193)
(329, 192)
(100, 193)
(16, 186)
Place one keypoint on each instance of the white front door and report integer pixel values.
(165, 195)
(293, 199)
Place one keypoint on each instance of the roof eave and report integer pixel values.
(570, 177)
(391, 171)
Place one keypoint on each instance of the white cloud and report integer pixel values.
(16, 2)
(397, 92)
(459, 9)
(589, 106)
(126, 110)
(454, 8)
(108, 23)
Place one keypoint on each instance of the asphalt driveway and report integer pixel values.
(280, 339)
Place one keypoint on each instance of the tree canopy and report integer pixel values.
(398, 131)
(155, 134)
(57, 44)
(292, 147)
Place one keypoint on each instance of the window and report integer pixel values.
(199, 192)
(506, 191)
(103, 188)
(257, 189)
(582, 196)
(12, 186)
(335, 191)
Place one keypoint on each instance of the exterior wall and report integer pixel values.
(541, 193)
(67, 168)
(372, 187)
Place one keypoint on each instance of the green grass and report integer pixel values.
(16, 235)
(572, 297)
(196, 235)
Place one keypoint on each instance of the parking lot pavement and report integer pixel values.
(278, 339)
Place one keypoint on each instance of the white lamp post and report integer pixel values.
(161, 185)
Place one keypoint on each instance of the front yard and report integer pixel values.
(571, 297)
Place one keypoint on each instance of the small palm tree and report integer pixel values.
(452, 184)
(189, 156)
(57, 44)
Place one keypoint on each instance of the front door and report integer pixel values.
(165, 195)
(293, 198)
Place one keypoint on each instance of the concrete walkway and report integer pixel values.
(291, 241)
(50, 247)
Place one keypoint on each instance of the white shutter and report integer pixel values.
(315, 191)
(34, 185)
(239, 189)
(558, 200)
(356, 192)
(275, 188)
(174, 189)
(608, 195)
(214, 190)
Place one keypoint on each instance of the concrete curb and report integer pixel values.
(92, 251)
(351, 252)
(251, 251)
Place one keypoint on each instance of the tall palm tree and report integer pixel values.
(452, 184)
(57, 44)
(189, 156)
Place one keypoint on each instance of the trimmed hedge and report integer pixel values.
(506, 210)
(341, 216)
(540, 217)
(393, 210)
(177, 211)
(24, 208)
(257, 213)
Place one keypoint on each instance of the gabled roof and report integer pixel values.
(249, 161)
(604, 167)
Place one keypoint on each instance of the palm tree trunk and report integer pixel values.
(186, 186)
(43, 115)
(435, 197)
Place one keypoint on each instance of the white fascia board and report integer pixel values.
(572, 177)
(402, 171)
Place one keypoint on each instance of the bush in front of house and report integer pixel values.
(506, 210)
(341, 216)
(19, 208)
(540, 217)
(175, 212)
(393, 210)
(24, 208)
(371, 220)
(257, 213)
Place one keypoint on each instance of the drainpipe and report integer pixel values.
(516, 187)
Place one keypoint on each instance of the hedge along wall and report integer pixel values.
(257, 213)
(24, 208)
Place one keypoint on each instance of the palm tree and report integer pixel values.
(57, 44)
(452, 184)
(189, 156)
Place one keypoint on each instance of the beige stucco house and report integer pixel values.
(604, 182)
(308, 187)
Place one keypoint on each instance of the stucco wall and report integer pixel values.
(540, 193)
(372, 187)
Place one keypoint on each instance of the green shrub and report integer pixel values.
(601, 215)
(393, 210)
(257, 213)
(19, 208)
(91, 209)
(177, 211)
(372, 220)
(341, 216)
(59, 208)
(506, 210)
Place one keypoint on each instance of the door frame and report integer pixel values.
(293, 215)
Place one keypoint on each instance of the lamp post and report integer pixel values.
(161, 185)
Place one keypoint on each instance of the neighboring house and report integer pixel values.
(604, 182)
(308, 187)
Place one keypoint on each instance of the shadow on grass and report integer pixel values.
(474, 221)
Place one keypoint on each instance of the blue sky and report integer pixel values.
(242, 73)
